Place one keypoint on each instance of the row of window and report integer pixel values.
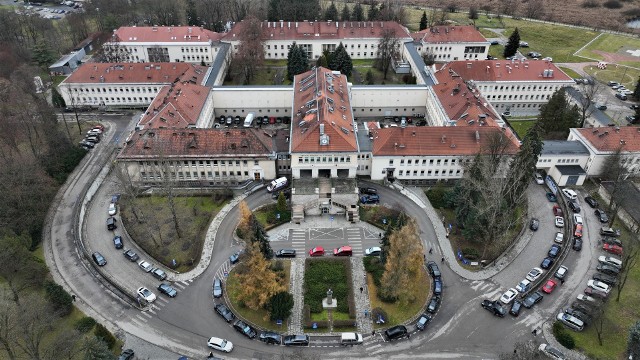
(307, 159)
(195, 58)
(416, 162)
(180, 175)
(519, 97)
(560, 161)
(511, 106)
(328, 46)
(283, 55)
(198, 162)
(429, 172)
(528, 88)
(193, 49)
(114, 100)
(121, 90)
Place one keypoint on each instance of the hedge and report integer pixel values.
(320, 275)
(85, 324)
(59, 297)
(374, 266)
(563, 336)
(105, 335)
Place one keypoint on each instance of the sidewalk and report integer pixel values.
(281, 232)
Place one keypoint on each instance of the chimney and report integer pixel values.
(321, 129)
(477, 136)
(443, 139)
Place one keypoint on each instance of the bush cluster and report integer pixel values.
(85, 324)
(612, 4)
(375, 268)
(470, 253)
(59, 298)
(437, 196)
(320, 275)
(563, 336)
(590, 4)
(105, 335)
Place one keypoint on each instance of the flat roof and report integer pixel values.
(571, 170)
(563, 147)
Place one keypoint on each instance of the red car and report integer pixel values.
(556, 210)
(272, 120)
(614, 249)
(343, 251)
(99, 127)
(578, 231)
(549, 286)
(316, 251)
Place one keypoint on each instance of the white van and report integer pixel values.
(570, 321)
(570, 194)
(248, 121)
(350, 338)
(277, 184)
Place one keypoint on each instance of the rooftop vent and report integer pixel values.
(324, 140)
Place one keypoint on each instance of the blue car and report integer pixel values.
(235, 257)
(370, 199)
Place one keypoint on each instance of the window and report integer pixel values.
(390, 161)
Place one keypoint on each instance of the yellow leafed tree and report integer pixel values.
(404, 264)
(245, 217)
(258, 283)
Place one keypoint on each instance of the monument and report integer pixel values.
(329, 302)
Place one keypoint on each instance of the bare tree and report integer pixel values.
(534, 9)
(387, 50)
(251, 49)
(615, 172)
(599, 322)
(130, 190)
(589, 91)
(629, 260)
(9, 326)
(36, 319)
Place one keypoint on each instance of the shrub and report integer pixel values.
(379, 312)
(470, 253)
(344, 323)
(612, 4)
(105, 335)
(85, 324)
(590, 4)
(320, 275)
(374, 266)
(59, 298)
(280, 306)
(436, 196)
(566, 340)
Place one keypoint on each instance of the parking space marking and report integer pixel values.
(179, 285)
(162, 300)
(147, 315)
(141, 319)
(326, 234)
(184, 283)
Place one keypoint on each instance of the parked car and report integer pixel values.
(434, 304)
(534, 224)
(158, 274)
(286, 253)
(561, 273)
(570, 321)
(493, 307)
(523, 286)
(515, 308)
(578, 314)
(373, 251)
(316, 251)
(217, 288)
(99, 259)
(112, 209)
(591, 201)
(577, 231)
(534, 274)
(574, 206)
(532, 299)
(551, 352)
(577, 219)
(423, 321)
(131, 255)
(554, 250)
(549, 286)
(370, 199)
(343, 251)
(111, 223)
(551, 197)
(601, 107)
(559, 221)
(437, 287)
(220, 344)
(233, 259)
(586, 299)
(244, 329)
(546, 263)
(607, 231)
(144, 265)
(607, 279)
(608, 269)
(557, 211)
(146, 294)
(434, 270)
(569, 194)
(509, 296)
(602, 216)
(577, 244)
(621, 96)
(368, 191)
(117, 242)
(538, 177)
(611, 240)
(296, 340)
(270, 337)
(559, 238)
(224, 311)
(167, 289)
(610, 260)
(614, 249)
(595, 293)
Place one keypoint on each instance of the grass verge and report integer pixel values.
(259, 317)
(268, 216)
(615, 44)
(521, 126)
(570, 72)
(622, 74)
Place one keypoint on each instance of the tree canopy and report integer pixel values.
(358, 13)
(297, 61)
(513, 44)
(341, 61)
(423, 21)
(331, 13)
(258, 281)
(298, 10)
(387, 50)
(557, 116)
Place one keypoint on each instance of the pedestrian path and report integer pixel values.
(296, 279)
(361, 296)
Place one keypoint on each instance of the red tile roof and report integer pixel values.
(176, 106)
(196, 143)
(165, 34)
(310, 30)
(437, 141)
(461, 104)
(322, 98)
(609, 139)
(450, 34)
(506, 70)
(137, 73)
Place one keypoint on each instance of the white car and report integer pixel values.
(112, 209)
(373, 251)
(523, 286)
(551, 352)
(220, 344)
(598, 285)
(548, 58)
(577, 219)
(610, 260)
(570, 194)
(508, 296)
(561, 273)
(94, 132)
(585, 298)
(146, 294)
(539, 179)
(559, 221)
(534, 274)
(559, 238)
(144, 265)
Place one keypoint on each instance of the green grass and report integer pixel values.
(496, 51)
(624, 75)
(619, 316)
(612, 44)
(521, 126)
(258, 317)
(397, 314)
(266, 216)
(570, 72)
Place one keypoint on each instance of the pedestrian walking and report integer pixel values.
(425, 257)
(535, 332)
(73, 297)
(361, 289)
(366, 313)
(562, 281)
(431, 251)
(210, 353)
(373, 333)
(442, 260)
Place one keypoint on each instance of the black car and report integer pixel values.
(611, 241)
(494, 307)
(591, 201)
(601, 107)
(434, 270)
(126, 354)
(573, 205)
(131, 255)
(244, 329)
(607, 279)
(296, 340)
(167, 290)
(224, 311)
(437, 287)
(554, 251)
(532, 299)
(602, 216)
(111, 223)
(515, 308)
(286, 253)
(546, 263)
(423, 321)
(581, 306)
(579, 314)
(368, 191)
(270, 337)
(117, 242)
(534, 224)
(99, 259)
(608, 269)
(577, 244)
(235, 257)
(434, 304)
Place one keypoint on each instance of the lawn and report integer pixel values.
(321, 275)
(496, 51)
(612, 44)
(156, 233)
(257, 317)
(379, 216)
(619, 316)
(622, 74)
(521, 126)
(570, 72)
(268, 216)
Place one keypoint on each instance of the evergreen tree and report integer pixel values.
(57, 99)
(259, 236)
(322, 62)
(331, 13)
(633, 342)
(297, 61)
(423, 21)
(369, 77)
(281, 206)
(557, 116)
(280, 306)
(192, 14)
(346, 14)
(513, 44)
(358, 13)
(636, 91)
(523, 165)
(374, 13)
(341, 61)
(42, 54)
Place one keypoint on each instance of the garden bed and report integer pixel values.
(320, 276)
(268, 216)
(379, 216)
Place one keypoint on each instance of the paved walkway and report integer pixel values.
(358, 275)
(281, 233)
(296, 280)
